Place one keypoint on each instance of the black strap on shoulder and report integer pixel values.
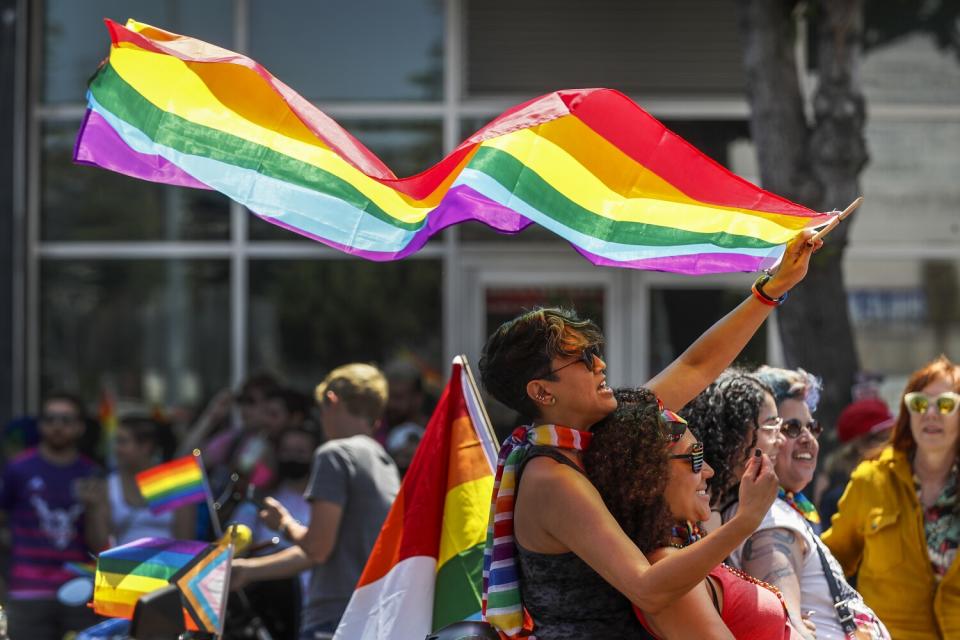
(839, 602)
(713, 595)
(553, 453)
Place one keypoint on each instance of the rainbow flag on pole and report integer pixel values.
(173, 484)
(426, 568)
(588, 164)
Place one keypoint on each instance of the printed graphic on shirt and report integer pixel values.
(59, 525)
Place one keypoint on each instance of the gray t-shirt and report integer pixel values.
(357, 474)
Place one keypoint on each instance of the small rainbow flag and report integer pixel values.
(426, 567)
(127, 572)
(173, 484)
(588, 164)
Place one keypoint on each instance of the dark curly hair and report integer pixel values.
(627, 463)
(720, 417)
(521, 350)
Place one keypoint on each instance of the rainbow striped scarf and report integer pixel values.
(502, 606)
(801, 504)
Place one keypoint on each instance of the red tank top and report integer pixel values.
(750, 611)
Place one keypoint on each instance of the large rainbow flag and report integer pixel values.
(426, 567)
(588, 164)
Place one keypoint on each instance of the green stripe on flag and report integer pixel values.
(459, 588)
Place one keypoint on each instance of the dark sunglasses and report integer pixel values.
(792, 428)
(59, 418)
(588, 357)
(695, 456)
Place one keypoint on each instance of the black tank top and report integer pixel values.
(565, 597)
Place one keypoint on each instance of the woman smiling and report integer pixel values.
(898, 522)
(660, 504)
(557, 564)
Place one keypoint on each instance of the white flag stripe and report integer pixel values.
(398, 606)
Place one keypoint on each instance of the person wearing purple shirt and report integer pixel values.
(45, 494)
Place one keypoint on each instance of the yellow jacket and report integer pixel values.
(878, 528)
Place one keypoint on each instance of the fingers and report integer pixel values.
(752, 467)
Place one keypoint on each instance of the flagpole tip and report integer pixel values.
(458, 360)
(196, 453)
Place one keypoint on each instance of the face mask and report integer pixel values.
(292, 469)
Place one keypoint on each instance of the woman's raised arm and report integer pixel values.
(716, 349)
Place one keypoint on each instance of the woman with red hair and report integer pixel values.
(898, 522)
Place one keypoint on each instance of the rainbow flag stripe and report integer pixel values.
(127, 572)
(588, 164)
(426, 567)
(173, 484)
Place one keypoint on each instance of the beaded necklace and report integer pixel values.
(686, 533)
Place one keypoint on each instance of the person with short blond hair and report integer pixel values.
(361, 387)
(352, 485)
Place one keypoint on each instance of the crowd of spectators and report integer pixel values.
(313, 476)
(68, 487)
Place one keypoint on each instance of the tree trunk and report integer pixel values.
(818, 167)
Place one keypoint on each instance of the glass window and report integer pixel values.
(334, 50)
(904, 312)
(407, 148)
(911, 187)
(155, 331)
(308, 316)
(86, 203)
(75, 40)
(536, 46)
(679, 316)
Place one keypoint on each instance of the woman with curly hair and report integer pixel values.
(556, 563)
(786, 549)
(660, 504)
(733, 417)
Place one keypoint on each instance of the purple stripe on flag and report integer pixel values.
(696, 264)
(189, 547)
(176, 501)
(100, 146)
(460, 204)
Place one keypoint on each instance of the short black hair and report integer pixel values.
(262, 382)
(67, 396)
(522, 349)
(145, 429)
(294, 401)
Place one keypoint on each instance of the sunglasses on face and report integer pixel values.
(588, 357)
(59, 418)
(945, 403)
(792, 428)
(695, 456)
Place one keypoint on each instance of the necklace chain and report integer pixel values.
(747, 577)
